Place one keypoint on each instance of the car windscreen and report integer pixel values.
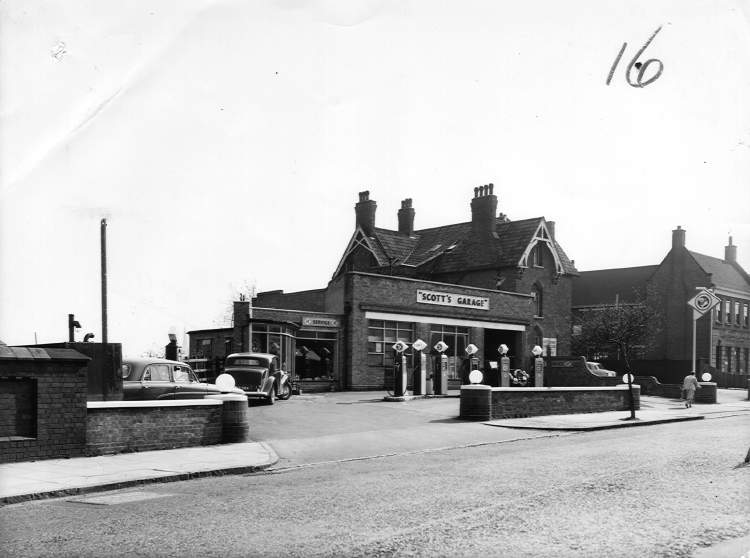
(247, 361)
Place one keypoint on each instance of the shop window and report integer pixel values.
(718, 357)
(206, 348)
(457, 338)
(747, 361)
(382, 335)
(729, 353)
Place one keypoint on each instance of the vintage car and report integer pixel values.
(159, 378)
(596, 369)
(258, 375)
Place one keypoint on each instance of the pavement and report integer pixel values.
(49, 478)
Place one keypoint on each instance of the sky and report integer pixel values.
(225, 142)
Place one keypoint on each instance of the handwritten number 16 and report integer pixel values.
(641, 67)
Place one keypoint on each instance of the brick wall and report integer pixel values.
(50, 420)
(485, 403)
(146, 425)
(312, 300)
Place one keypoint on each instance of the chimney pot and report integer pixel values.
(678, 238)
(406, 218)
(483, 211)
(730, 252)
(364, 212)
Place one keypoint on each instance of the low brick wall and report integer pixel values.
(482, 402)
(124, 426)
(42, 403)
(652, 386)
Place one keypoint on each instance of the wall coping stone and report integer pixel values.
(152, 404)
(560, 388)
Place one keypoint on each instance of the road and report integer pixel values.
(663, 490)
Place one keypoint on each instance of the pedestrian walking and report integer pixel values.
(689, 385)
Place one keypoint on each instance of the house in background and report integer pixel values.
(722, 336)
(488, 281)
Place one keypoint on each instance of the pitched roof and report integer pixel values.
(723, 274)
(605, 286)
(456, 247)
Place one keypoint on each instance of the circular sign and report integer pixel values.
(476, 377)
(706, 377)
(471, 349)
(440, 346)
(225, 382)
(703, 301)
(400, 347)
(419, 345)
(503, 349)
(537, 350)
(628, 378)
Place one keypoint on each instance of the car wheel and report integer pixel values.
(286, 391)
(271, 399)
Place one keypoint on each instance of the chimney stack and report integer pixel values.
(678, 238)
(484, 210)
(551, 229)
(406, 218)
(730, 252)
(365, 212)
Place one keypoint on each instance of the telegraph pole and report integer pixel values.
(104, 279)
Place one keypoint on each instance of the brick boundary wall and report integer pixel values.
(126, 426)
(49, 421)
(482, 402)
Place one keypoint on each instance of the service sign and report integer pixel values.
(453, 299)
(308, 321)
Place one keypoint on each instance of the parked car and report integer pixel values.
(596, 369)
(258, 375)
(159, 378)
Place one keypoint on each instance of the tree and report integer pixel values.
(626, 329)
(245, 291)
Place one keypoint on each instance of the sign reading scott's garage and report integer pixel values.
(453, 299)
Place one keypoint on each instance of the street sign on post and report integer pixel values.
(701, 303)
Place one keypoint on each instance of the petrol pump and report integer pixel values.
(399, 369)
(441, 369)
(420, 372)
(471, 351)
(504, 365)
(538, 366)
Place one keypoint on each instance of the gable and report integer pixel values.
(360, 242)
(543, 237)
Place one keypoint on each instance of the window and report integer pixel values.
(744, 314)
(381, 335)
(156, 373)
(728, 311)
(457, 338)
(737, 314)
(719, 315)
(536, 292)
(183, 375)
(747, 361)
(537, 256)
(738, 361)
(718, 357)
(205, 348)
(728, 358)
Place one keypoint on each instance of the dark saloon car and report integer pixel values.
(258, 375)
(159, 378)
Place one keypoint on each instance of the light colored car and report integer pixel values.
(596, 369)
(159, 378)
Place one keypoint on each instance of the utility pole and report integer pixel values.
(104, 279)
